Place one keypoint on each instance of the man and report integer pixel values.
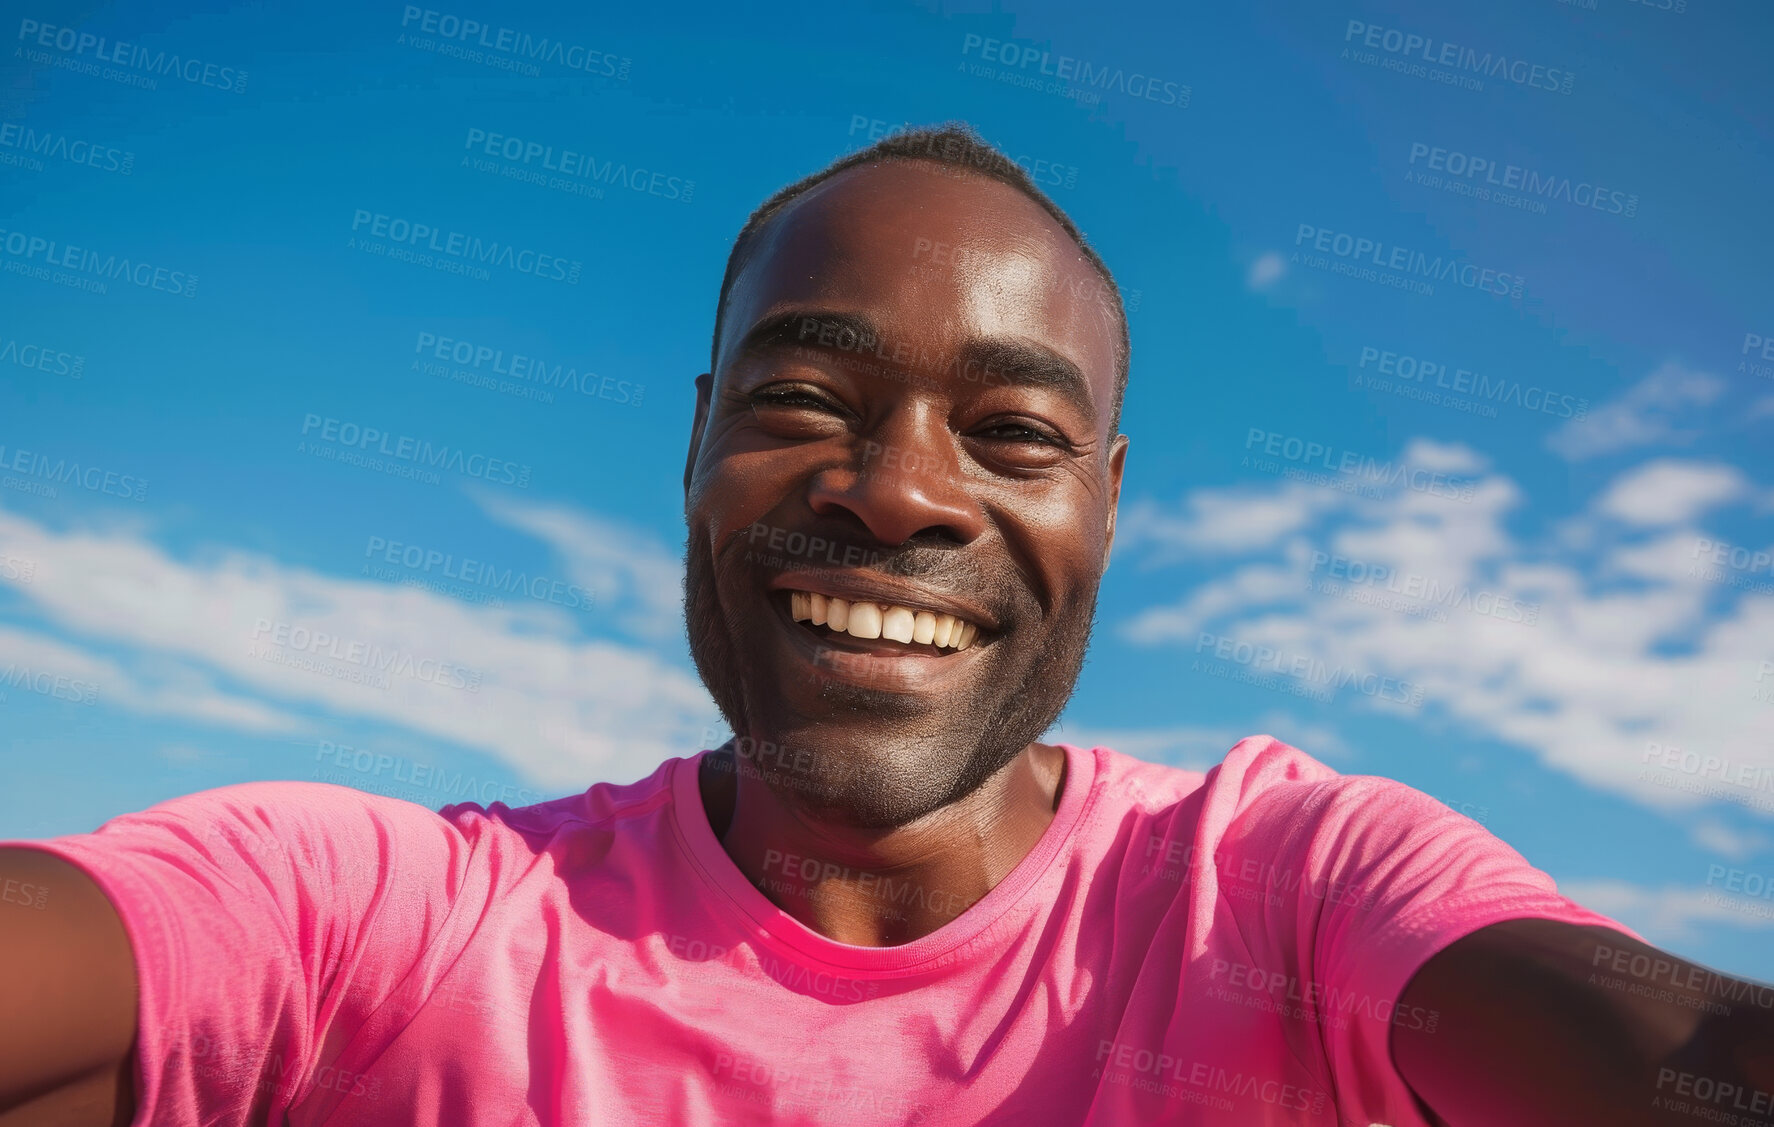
(883, 902)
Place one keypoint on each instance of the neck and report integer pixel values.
(882, 888)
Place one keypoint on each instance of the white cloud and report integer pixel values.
(1652, 411)
(1265, 271)
(1664, 916)
(1713, 834)
(1538, 645)
(1215, 521)
(1668, 491)
(561, 709)
(32, 662)
(626, 569)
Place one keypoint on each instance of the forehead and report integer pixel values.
(935, 257)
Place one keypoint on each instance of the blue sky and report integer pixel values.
(1450, 402)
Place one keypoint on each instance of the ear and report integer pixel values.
(1117, 462)
(704, 388)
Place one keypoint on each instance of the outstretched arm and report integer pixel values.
(1548, 1023)
(67, 997)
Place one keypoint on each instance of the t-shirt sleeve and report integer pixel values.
(1389, 877)
(268, 921)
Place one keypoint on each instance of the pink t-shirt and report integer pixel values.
(1177, 948)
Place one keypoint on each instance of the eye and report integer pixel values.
(1022, 433)
(798, 411)
(789, 395)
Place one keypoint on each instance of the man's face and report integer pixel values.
(958, 463)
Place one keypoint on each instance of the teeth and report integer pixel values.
(945, 626)
(879, 620)
(924, 627)
(898, 623)
(865, 621)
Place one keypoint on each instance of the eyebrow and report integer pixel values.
(1018, 360)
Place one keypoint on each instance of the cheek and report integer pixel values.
(1057, 537)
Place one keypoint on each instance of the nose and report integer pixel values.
(904, 478)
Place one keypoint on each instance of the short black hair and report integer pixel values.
(954, 144)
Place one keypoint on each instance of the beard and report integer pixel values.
(873, 760)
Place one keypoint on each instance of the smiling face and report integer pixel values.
(907, 433)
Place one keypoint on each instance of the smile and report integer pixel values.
(873, 620)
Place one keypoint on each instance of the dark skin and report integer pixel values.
(925, 768)
(988, 489)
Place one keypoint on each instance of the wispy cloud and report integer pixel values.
(248, 643)
(1664, 407)
(632, 573)
(1535, 643)
(1668, 491)
(1266, 271)
(1666, 916)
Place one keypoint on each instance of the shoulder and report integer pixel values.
(286, 832)
(1268, 794)
(603, 804)
(277, 809)
(1256, 767)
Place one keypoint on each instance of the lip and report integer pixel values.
(872, 588)
(845, 659)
